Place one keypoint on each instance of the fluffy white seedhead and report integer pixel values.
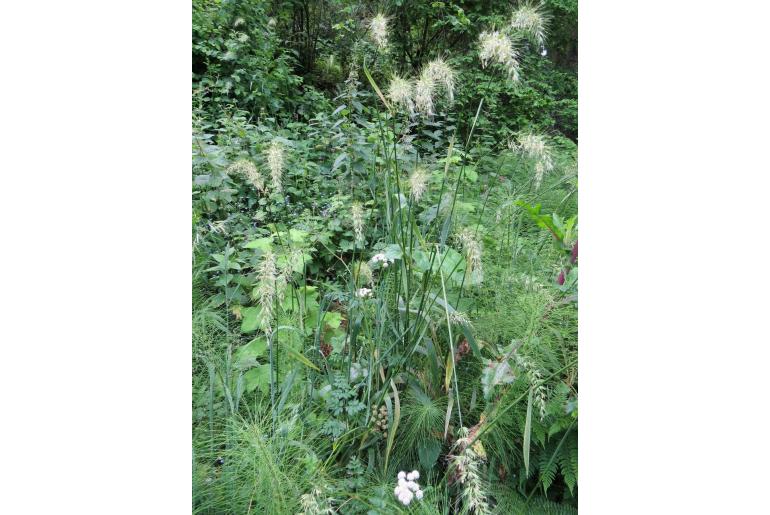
(378, 30)
(363, 293)
(418, 183)
(472, 247)
(357, 214)
(536, 147)
(276, 160)
(497, 47)
(267, 275)
(249, 171)
(442, 75)
(532, 20)
(424, 89)
(400, 92)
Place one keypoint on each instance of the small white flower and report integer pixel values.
(407, 488)
(363, 293)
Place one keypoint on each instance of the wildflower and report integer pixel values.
(440, 73)
(378, 30)
(400, 92)
(275, 156)
(382, 258)
(243, 37)
(267, 275)
(533, 21)
(472, 248)
(357, 214)
(574, 253)
(498, 47)
(423, 94)
(408, 488)
(418, 183)
(238, 22)
(363, 293)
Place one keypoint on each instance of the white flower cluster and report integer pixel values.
(363, 293)
(382, 258)
(408, 488)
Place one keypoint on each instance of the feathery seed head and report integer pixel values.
(357, 214)
(536, 147)
(418, 183)
(249, 170)
(423, 94)
(465, 464)
(439, 72)
(496, 47)
(378, 30)
(472, 247)
(400, 92)
(532, 19)
(460, 318)
(276, 160)
(267, 275)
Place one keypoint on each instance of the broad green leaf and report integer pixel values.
(252, 350)
(257, 377)
(428, 452)
(260, 243)
(252, 319)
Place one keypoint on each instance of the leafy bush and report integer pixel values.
(382, 282)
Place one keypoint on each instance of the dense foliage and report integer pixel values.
(384, 249)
